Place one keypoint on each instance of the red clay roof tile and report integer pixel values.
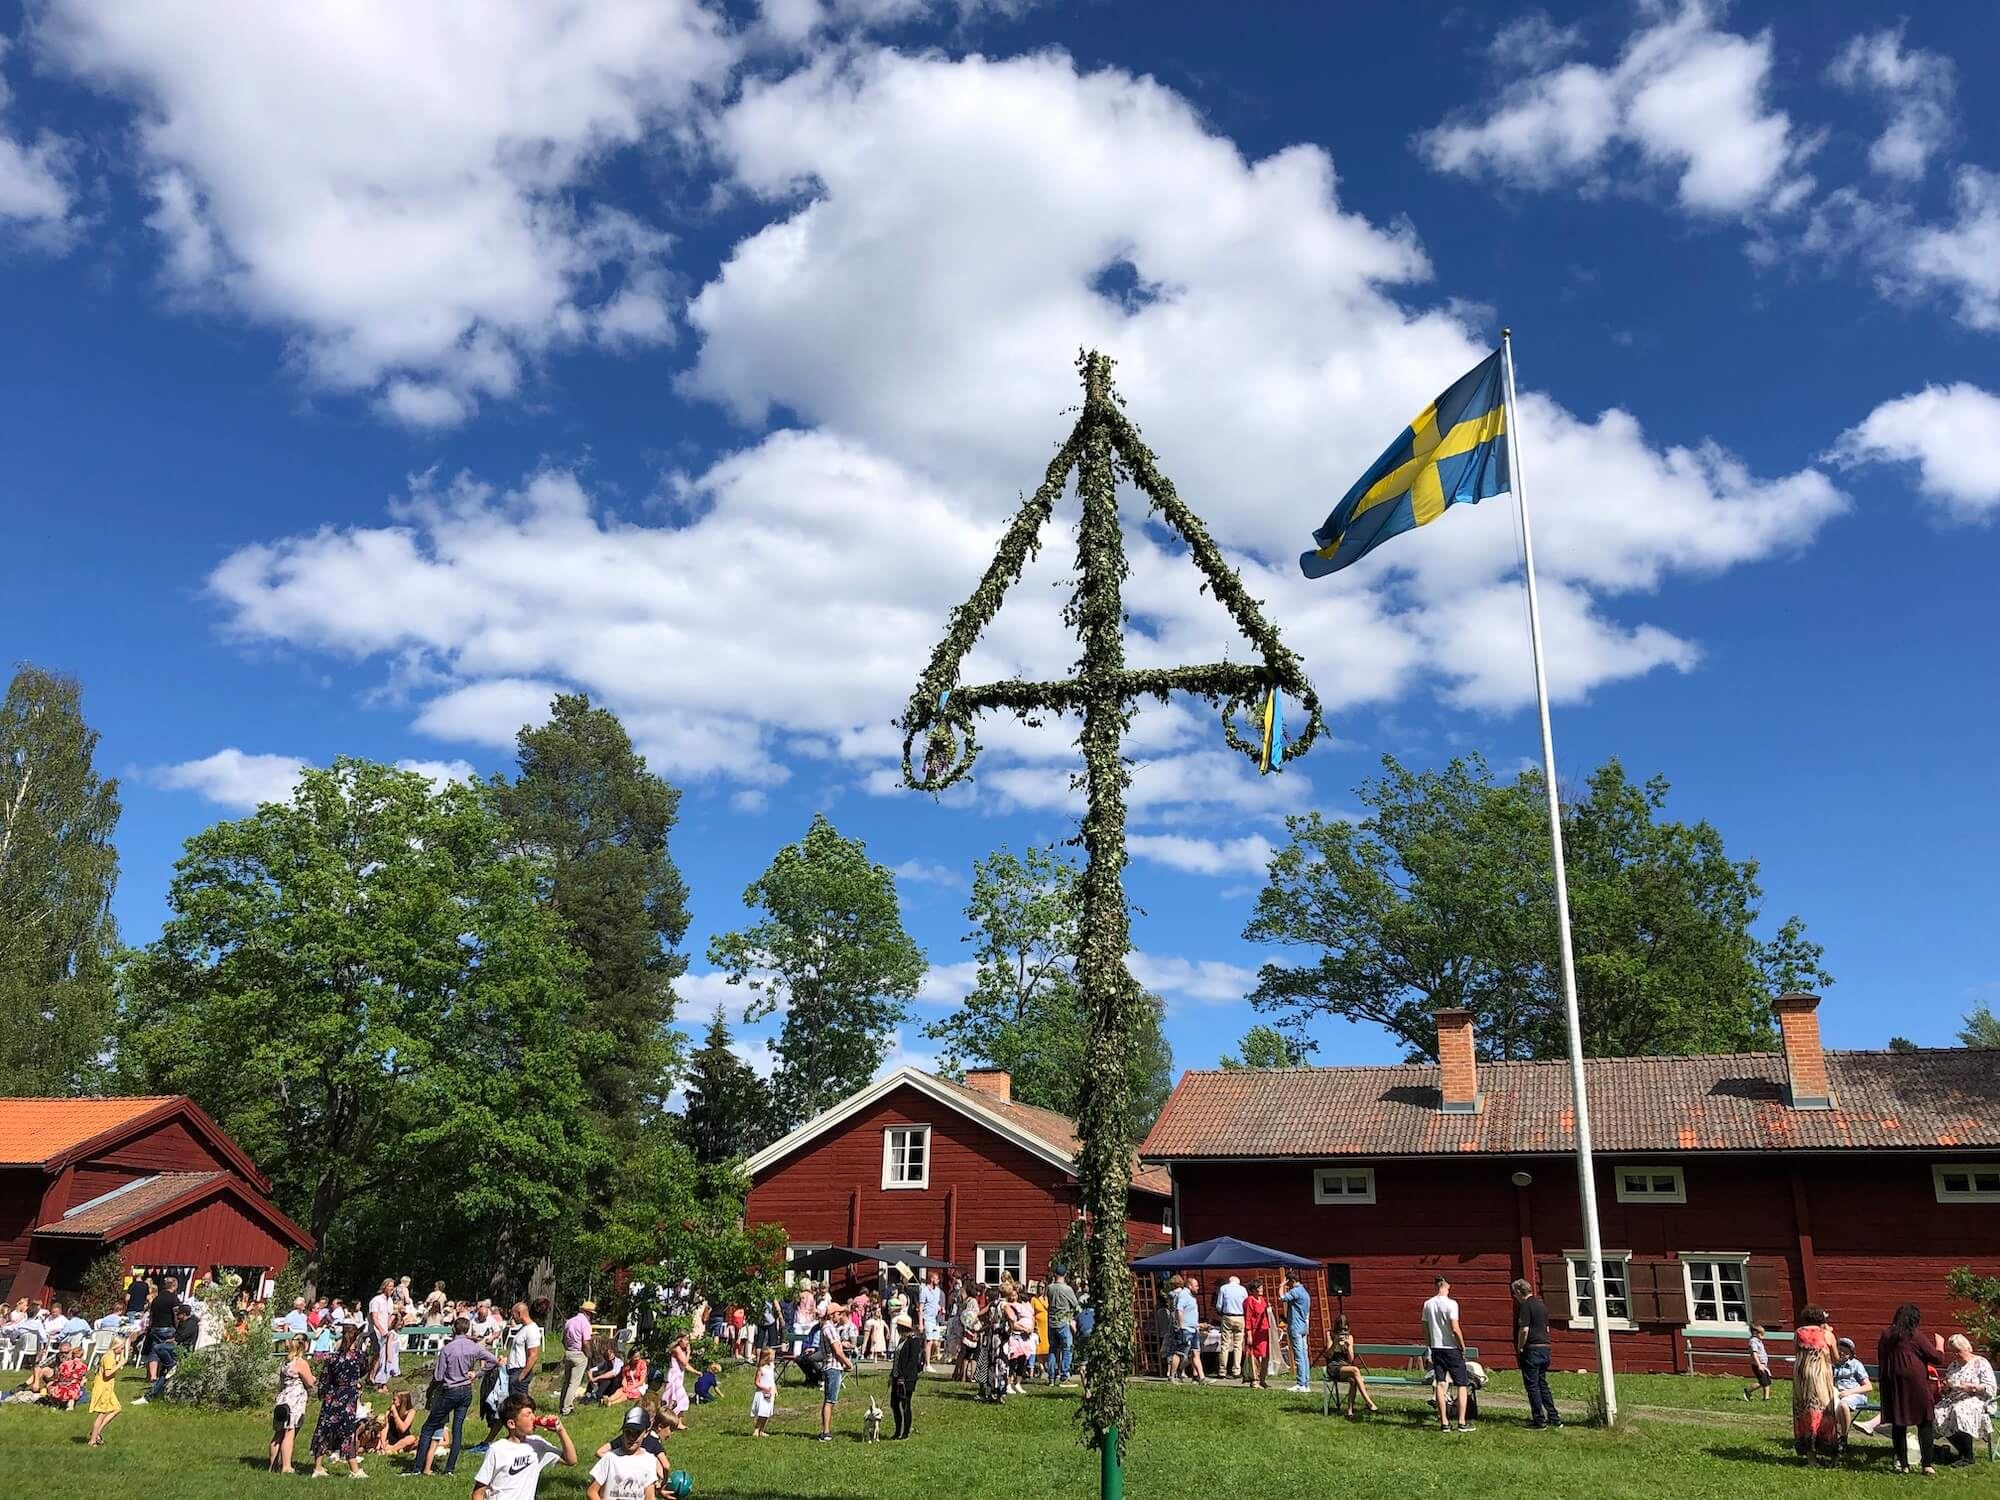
(1722, 1102)
(34, 1131)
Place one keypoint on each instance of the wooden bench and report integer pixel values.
(1719, 1348)
(1418, 1354)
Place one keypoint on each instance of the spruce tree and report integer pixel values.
(728, 1107)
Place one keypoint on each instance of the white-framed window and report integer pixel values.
(1617, 1298)
(1967, 1182)
(906, 1156)
(1343, 1184)
(892, 1251)
(1718, 1288)
(996, 1261)
(797, 1251)
(1643, 1184)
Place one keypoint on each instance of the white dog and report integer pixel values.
(871, 1422)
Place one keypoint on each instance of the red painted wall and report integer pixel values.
(214, 1232)
(983, 1189)
(168, 1147)
(20, 1202)
(1877, 1237)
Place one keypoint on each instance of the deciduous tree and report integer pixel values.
(1268, 1047)
(57, 871)
(1443, 896)
(1025, 1012)
(363, 987)
(830, 951)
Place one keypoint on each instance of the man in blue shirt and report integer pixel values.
(1186, 1352)
(1229, 1303)
(293, 1321)
(1298, 1327)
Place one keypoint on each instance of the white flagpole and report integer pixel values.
(1586, 1175)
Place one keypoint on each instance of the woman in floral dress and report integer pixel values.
(335, 1435)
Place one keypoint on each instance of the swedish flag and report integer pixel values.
(1454, 449)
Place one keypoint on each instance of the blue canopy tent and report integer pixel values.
(1224, 1253)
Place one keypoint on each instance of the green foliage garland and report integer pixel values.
(1103, 448)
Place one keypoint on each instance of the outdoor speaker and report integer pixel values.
(1339, 1279)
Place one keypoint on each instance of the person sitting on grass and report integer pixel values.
(1343, 1364)
(512, 1468)
(605, 1370)
(399, 1425)
(66, 1386)
(708, 1385)
(632, 1380)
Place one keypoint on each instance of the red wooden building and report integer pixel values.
(958, 1172)
(1730, 1189)
(153, 1179)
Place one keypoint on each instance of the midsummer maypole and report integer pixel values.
(938, 730)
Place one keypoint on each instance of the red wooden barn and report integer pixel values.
(958, 1172)
(1730, 1189)
(153, 1179)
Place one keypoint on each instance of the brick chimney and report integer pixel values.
(1458, 1067)
(995, 1081)
(1805, 1060)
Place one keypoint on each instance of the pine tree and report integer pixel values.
(728, 1106)
(586, 805)
(57, 871)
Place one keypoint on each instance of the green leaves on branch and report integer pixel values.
(1026, 1012)
(1443, 896)
(1268, 1047)
(366, 989)
(57, 871)
(831, 953)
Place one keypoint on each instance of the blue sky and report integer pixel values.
(369, 373)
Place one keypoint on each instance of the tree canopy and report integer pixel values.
(728, 1111)
(364, 988)
(1981, 1028)
(1026, 1011)
(1268, 1047)
(1443, 896)
(596, 823)
(831, 952)
(57, 871)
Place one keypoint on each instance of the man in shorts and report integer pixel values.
(1446, 1341)
(833, 1326)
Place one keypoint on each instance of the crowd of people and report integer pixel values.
(1934, 1395)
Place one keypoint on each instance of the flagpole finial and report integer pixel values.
(1506, 333)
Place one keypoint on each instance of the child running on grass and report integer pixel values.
(764, 1399)
(1760, 1360)
(104, 1391)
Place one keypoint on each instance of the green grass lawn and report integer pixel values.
(1683, 1436)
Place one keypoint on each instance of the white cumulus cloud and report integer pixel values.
(236, 779)
(37, 193)
(1248, 855)
(1914, 85)
(397, 187)
(1686, 97)
(1950, 432)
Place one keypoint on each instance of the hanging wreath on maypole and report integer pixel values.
(940, 744)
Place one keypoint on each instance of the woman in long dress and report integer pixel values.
(1903, 1357)
(1968, 1386)
(336, 1433)
(1815, 1420)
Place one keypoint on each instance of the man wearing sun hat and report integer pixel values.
(576, 1355)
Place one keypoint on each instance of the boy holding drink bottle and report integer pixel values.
(515, 1460)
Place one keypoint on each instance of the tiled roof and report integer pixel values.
(1726, 1102)
(34, 1131)
(105, 1216)
(1059, 1131)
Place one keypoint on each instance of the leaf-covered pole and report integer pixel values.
(1103, 447)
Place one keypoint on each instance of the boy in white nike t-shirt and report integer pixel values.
(625, 1470)
(515, 1460)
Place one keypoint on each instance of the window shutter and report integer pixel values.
(1767, 1283)
(1658, 1294)
(1642, 1290)
(1553, 1273)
